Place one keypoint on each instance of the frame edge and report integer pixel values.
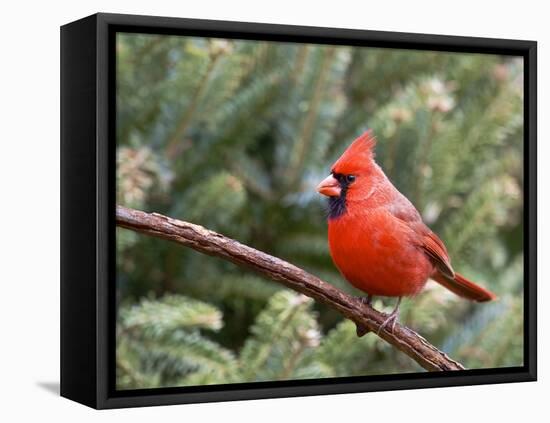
(78, 211)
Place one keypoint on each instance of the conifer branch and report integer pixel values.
(215, 244)
(186, 118)
(304, 139)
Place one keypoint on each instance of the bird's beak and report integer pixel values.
(329, 187)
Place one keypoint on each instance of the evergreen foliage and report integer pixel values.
(234, 135)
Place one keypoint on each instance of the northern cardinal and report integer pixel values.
(377, 238)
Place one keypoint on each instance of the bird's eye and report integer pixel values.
(350, 178)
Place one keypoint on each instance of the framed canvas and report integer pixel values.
(259, 211)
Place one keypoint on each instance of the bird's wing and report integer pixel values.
(402, 209)
(436, 250)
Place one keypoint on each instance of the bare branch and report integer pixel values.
(214, 244)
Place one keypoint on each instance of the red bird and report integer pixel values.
(377, 238)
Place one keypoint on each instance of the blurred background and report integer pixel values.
(235, 135)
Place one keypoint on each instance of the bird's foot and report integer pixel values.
(392, 318)
(361, 330)
(366, 300)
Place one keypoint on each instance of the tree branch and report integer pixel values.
(214, 244)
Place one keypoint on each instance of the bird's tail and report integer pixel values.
(464, 287)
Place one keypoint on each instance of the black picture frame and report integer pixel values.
(88, 209)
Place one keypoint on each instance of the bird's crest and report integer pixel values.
(358, 155)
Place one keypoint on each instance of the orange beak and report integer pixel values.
(329, 187)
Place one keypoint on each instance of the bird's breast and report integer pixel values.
(377, 254)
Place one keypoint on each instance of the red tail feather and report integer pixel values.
(464, 287)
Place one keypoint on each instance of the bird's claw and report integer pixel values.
(361, 330)
(391, 318)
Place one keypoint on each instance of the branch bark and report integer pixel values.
(215, 244)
